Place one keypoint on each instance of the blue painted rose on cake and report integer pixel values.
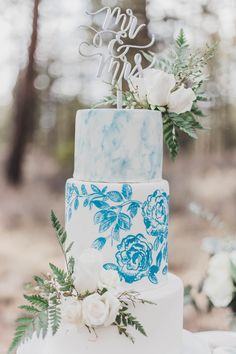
(128, 223)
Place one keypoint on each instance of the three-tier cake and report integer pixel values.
(118, 204)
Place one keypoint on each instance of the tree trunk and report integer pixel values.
(24, 116)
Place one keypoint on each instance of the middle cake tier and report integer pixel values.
(127, 223)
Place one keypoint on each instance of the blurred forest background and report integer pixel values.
(43, 81)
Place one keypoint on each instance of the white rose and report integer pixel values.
(71, 311)
(181, 100)
(100, 310)
(137, 86)
(87, 270)
(109, 279)
(219, 289)
(219, 264)
(158, 86)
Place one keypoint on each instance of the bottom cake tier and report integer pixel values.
(163, 324)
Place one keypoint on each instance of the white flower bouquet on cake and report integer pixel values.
(173, 84)
(83, 295)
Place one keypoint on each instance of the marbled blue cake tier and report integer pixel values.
(113, 145)
(127, 222)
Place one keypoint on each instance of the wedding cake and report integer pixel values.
(115, 293)
(118, 204)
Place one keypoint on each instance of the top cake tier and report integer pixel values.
(118, 145)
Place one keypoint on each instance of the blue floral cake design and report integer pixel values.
(114, 214)
(134, 258)
(155, 213)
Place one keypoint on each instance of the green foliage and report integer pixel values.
(54, 314)
(47, 291)
(125, 319)
(170, 136)
(62, 238)
(62, 278)
(35, 321)
(188, 68)
(181, 40)
(23, 332)
(37, 301)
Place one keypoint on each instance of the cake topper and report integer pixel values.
(120, 27)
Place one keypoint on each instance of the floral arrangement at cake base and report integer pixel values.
(83, 295)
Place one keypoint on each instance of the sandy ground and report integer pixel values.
(27, 242)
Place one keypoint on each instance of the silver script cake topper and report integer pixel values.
(115, 61)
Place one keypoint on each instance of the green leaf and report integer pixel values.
(23, 332)
(71, 265)
(171, 137)
(39, 280)
(41, 324)
(197, 111)
(187, 123)
(69, 247)
(181, 40)
(60, 231)
(37, 301)
(31, 309)
(54, 314)
(60, 274)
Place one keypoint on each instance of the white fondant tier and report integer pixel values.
(128, 223)
(118, 145)
(163, 324)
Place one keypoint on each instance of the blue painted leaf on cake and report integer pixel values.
(75, 189)
(152, 275)
(124, 221)
(104, 189)
(108, 221)
(86, 201)
(110, 266)
(84, 190)
(99, 243)
(133, 209)
(156, 244)
(127, 191)
(159, 259)
(165, 251)
(116, 233)
(99, 216)
(95, 189)
(115, 196)
(165, 270)
(100, 204)
(76, 203)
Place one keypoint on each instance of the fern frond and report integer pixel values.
(54, 314)
(171, 137)
(60, 231)
(37, 301)
(24, 331)
(31, 309)
(181, 40)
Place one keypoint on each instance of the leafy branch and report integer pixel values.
(125, 319)
(188, 68)
(43, 306)
(35, 321)
(62, 238)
